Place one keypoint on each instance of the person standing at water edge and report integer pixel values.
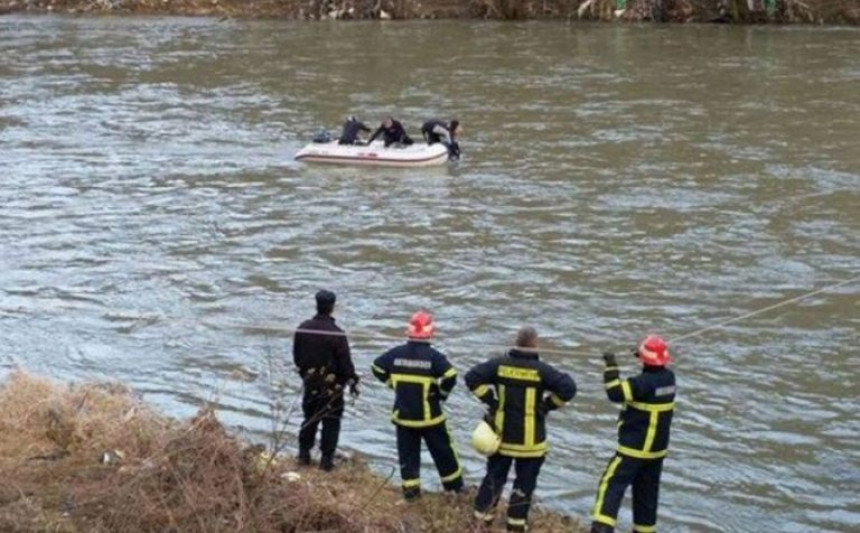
(519, 390)
(392, 132)
(422, 378)
(643, 437)
(321, 355)
(351, 128)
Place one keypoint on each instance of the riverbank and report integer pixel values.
(93, 458)
(722, 11)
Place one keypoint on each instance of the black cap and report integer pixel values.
(325, 301)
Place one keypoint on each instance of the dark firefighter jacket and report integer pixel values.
(649, 401)
(520, 389)
(395, 134)
(421, 378)
(323, 361)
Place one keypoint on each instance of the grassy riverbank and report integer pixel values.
(727, 11)
(93, 458)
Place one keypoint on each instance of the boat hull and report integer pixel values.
(415, 155)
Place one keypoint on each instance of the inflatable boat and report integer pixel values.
(375, 154)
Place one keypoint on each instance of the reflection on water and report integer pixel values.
(615, 181)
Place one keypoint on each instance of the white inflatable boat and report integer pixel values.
(376, 154)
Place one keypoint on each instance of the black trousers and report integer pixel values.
(441, 448)
(621, 472)
(325, 410)
(527, 470)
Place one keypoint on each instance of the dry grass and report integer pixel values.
(189, 477)
(738, 11)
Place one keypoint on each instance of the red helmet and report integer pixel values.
(653, 351)
(420, 326)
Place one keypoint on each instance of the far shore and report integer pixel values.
(845, 12)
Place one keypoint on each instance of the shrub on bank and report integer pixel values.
(730, 11)
(93, 458)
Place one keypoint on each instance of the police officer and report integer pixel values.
(643, 437)
(519, 390)
(351, 128)
(321, 355)
(392, 132)
(436, 131)
(422, 378)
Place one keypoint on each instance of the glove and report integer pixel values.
(609, 359)
(544, 408)
(353, 389)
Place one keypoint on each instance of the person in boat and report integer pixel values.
(351, 129)
(392, 132)
(643, 437)
(422, 378)
(436, 131)
(325, 366)
(519, 390)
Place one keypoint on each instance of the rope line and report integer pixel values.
(696, 333)
(763, 310)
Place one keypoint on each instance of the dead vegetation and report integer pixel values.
(723, 11)
(92, 458)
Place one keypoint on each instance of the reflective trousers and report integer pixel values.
(498, 466)
(621, 472)
(442, 451)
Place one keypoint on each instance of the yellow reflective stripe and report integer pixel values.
(412, 378)
(485, 517)
(529, 419)
(500, 410)
(613, 383)
(481, 390)
(557, 400)
(377, 369)
(459, 471)
(409, 483)
(652, 407)
(603, 519)
(525, 448)
(598, 515)
(417, 423)
(652, 431)
(640, 454)
(516, 521)
(522, 455)
(610, 368)
(450, 373)
(453, 476)
(644, 529)
(425, 382)
(513, 372)
(628, 393)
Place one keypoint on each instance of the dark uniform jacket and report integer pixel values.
(323, 361)
(421, 378)
(520, 389)
(649, 402)
(395, 134)
(435, 131)
(350, 131)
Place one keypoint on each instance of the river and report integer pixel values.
(616, 180)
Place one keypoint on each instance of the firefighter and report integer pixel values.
(422, 378)
(351, 129)
(643, 437)
(436, 131)
(393, 133)
(325, 365)
(519, 390)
